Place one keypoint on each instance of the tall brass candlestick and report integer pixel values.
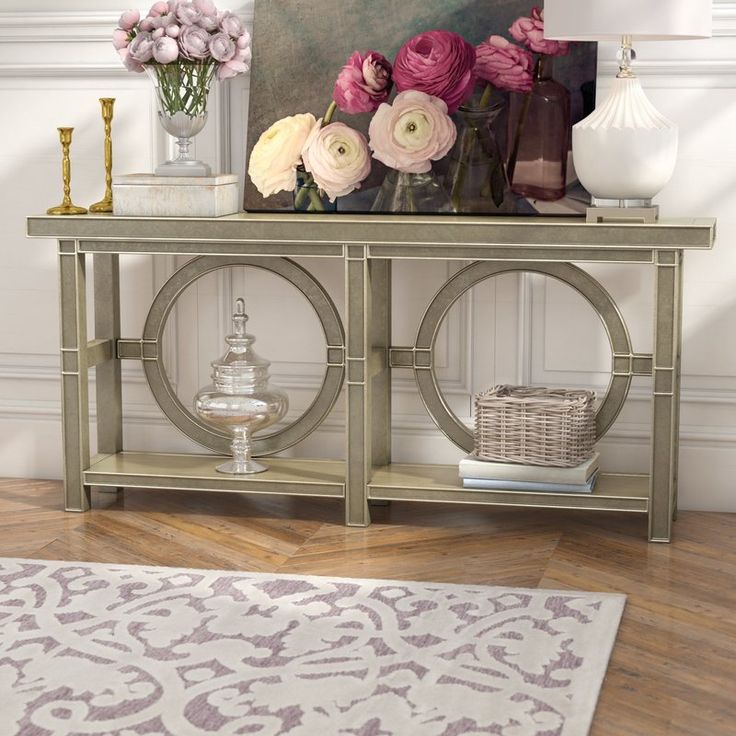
(105, 204)
(66, 207)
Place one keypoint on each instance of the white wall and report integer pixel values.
(53, 67)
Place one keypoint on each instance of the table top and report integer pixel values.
(408, 232)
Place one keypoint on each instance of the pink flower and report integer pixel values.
(157, 34)
(530, 32)
(187, 14)
(194, 42)
(412, 132)
(128, 19)
(173, 31)
(337, 157)
(439, 63)
(231, 24)
(162, 21)
(222, 47)
(206, 7)
(208, 22)
(120, 39)
(141, 48)
(130, 63)
(504, 65)
(147, 24)
(240, 62)
(160, 8)
(165, 50)
(364, 83)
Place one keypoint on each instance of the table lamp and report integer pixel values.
(625, 151)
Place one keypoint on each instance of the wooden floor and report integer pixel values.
(673, 669)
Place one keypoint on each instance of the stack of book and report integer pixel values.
(487, 475)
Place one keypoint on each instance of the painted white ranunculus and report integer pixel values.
(338, 158)
(274, 158)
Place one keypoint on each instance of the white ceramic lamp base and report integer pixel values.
(626, 151)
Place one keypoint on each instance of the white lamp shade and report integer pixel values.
(609, 20)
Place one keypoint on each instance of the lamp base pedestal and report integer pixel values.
(606, 213)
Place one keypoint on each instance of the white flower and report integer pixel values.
(338, 158)
(274, 158)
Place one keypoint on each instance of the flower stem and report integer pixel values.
(315, 203)
(486, 96)
(466, 147)
(327, 119)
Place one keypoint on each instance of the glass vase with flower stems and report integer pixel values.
(538, 135)
(182, 90)
(307, 195)
(476, 174)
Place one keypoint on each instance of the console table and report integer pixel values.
(360, 353)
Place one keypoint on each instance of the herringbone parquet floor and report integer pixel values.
(673, 669)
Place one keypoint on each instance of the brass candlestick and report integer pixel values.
(66, 207)
(105, 204)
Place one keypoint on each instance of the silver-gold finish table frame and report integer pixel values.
(359, 354)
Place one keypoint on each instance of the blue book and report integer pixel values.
(484, 484)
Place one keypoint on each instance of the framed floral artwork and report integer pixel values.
(423, 106)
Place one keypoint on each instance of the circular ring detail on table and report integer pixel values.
(461, 282)
(191, 425)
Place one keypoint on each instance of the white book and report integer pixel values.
(515, 485)
(472, 467)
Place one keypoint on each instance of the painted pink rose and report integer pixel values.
(165, 50)
(222, 47)
(194, 42)
(128, 19)
(130, 63)
(412, 132)
(160, 8)
(173, 30)
(141, 48)
(439, 63)
(337, 157)
(120, 39)
(504, 65)
(363, 83)
(530, 32)
(232, 25)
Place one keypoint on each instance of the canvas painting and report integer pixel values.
(499, 161)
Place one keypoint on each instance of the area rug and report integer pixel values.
(92, 649)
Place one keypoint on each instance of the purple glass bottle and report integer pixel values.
(539, 136)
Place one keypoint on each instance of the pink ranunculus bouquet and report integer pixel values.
(185, 33)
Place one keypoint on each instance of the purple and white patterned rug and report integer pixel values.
(91, 649)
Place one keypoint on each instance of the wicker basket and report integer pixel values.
(535, 426)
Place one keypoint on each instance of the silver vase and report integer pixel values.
(182, 89)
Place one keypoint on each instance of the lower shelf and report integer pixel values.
(197, 473)
(440, 483)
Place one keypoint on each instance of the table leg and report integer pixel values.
(108, 378)
(74, 379)
(666, 403)
(368, 376)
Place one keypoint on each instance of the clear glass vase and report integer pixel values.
(308, 197)
(476, 176)
(412, 193)
(539, 135)
(182, 89)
